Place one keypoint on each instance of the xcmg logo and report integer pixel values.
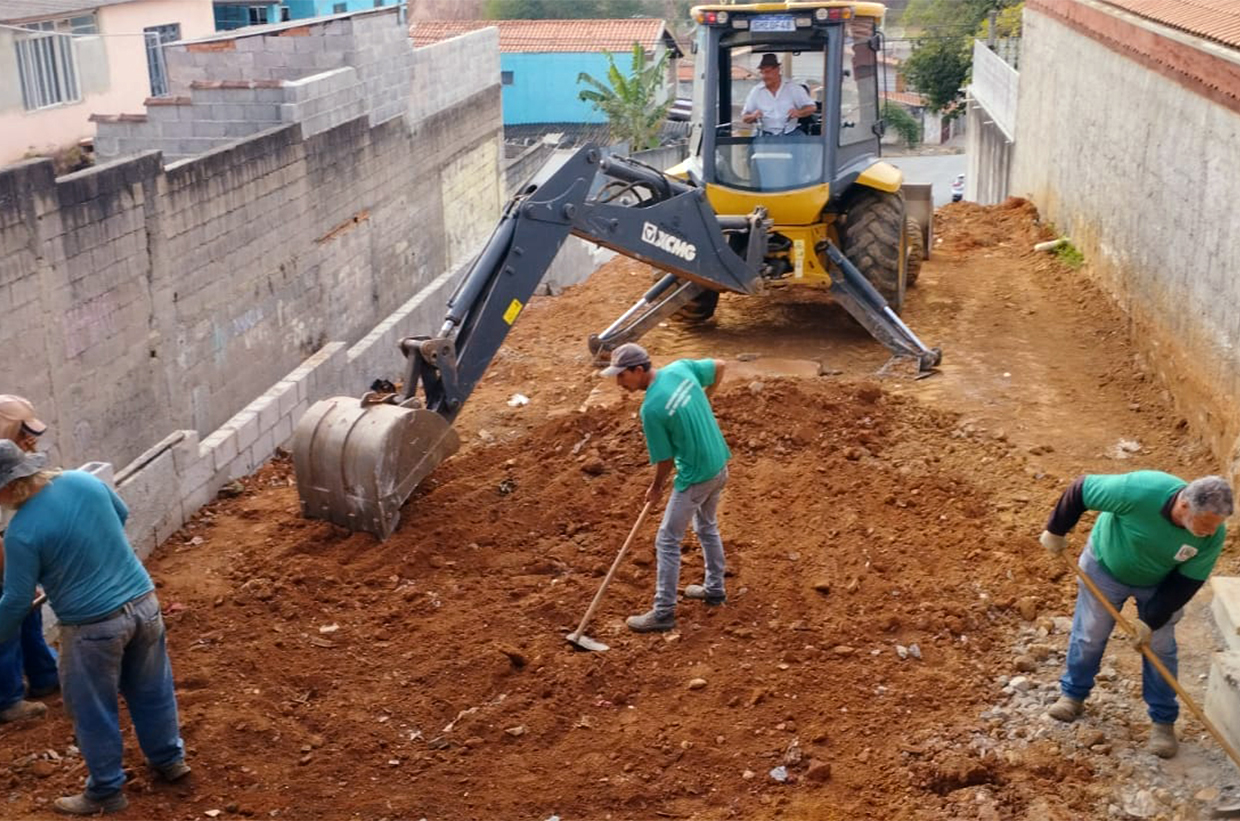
(670, 243)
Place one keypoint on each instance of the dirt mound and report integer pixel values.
(881, 563)
(965, 226)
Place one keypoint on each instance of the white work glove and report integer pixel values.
(1053, 542)
(1142, 633)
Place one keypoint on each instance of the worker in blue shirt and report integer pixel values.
(67, 534)
(25, 656)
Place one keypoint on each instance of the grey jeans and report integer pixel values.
(698, 503)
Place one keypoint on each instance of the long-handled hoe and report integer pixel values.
(1227, 805)
(578, 638)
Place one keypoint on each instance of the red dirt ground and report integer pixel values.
(325, 675)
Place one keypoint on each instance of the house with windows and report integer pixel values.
(234, 14)
(63, 60)
(540, 60)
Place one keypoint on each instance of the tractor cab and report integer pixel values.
(830, 50)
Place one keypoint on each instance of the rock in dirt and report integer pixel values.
(697, 683)
(516, 731)
(1040, 652)
(779, 774)
(822, 586)
(1089, 736)
(594, 466)
(1027, 606)
(1025, 663)
(1140, 804)
(515, 656)
(818, 771)
(43, 768)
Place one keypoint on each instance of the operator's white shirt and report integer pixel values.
(775, 107)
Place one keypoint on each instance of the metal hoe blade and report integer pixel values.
(586, 643)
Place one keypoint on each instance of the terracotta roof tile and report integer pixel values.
(905, 98)
(1217, 20)
(550, 35)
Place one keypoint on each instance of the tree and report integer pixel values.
(943, 45)
(629, 101)
(939, 69)
(903, 123)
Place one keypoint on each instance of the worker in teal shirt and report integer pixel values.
(1156, 540)
(681, 434)
(67, 534)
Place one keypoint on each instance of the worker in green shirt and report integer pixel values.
(681, 434)
(1155, 541)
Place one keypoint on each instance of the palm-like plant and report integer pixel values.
(629, 101)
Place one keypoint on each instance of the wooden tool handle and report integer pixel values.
(602, 588)
(1158, 665)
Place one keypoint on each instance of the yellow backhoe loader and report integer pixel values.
(748, 210)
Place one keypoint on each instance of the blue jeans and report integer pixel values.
(1091, 627)
(27, 653)
(699, 504)
(125, 654)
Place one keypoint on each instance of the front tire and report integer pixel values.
(873, 237)
(914, 253)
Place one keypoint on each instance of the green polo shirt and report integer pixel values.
(1134, 540)
(679, 423)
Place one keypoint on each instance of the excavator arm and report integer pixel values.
(358, 461)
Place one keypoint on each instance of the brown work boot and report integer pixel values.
(82, 804)
(1066, 709)
(651, 622)
(173, 772)
(21, 710)
(1162, 741)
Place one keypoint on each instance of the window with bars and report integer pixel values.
(47, 70)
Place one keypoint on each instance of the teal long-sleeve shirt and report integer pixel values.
(70, 538)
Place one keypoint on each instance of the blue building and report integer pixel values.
(232, 14)
(540, 60)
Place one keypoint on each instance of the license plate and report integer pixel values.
(773, 22)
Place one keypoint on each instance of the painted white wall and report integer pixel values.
(112, 71)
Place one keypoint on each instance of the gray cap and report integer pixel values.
(628, 355)
(16, 463)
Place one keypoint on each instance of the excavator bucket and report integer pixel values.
(919, 205)
(357, 463)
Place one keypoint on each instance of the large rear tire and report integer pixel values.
(915, 251)
(873, 237)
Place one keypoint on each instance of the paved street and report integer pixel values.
(937, 169)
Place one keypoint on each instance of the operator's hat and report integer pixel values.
(17, 413)
(769, 60)
(16, 463)
(628, 355)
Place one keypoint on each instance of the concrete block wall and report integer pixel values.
(1222, 704)
(1143, 182)
(158, 299)
(324, 101)
(450, 72)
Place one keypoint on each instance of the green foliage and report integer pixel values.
(938, 69)
(1070, 255)
(943, 45)
(628, 101)
(561, 9)
(904, 123)
(1007, 23)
